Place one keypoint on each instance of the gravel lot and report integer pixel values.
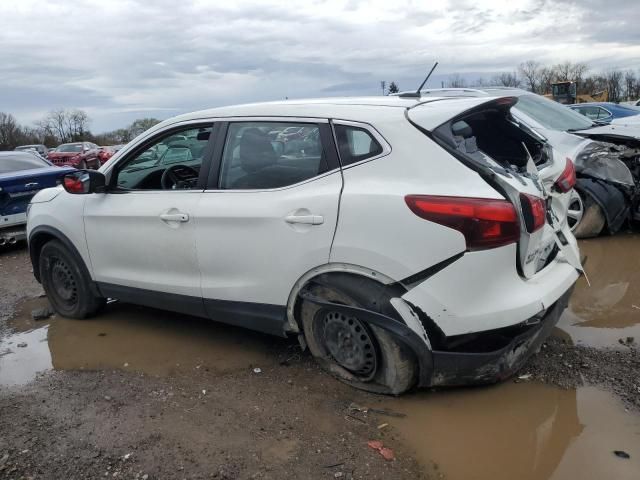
(200, 415)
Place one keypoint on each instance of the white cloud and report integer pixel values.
(122, 57)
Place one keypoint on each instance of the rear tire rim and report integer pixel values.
(576, 210)
(64, 282)
(349, 343)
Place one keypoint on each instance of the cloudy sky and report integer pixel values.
(124, 59)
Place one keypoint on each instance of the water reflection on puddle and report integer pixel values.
(610, 308)
(128, 337)
(521, 431)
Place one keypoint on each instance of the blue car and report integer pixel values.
(605, 112)
(22, 175)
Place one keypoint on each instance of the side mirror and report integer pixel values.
(84, 181)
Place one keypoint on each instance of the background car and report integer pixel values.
(41, 149)
(607, 112)
(79, 155)
(22, 175)
(105, 153)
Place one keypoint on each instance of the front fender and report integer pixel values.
(610, 199)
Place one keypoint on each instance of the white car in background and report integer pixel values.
(405, 241)
(606, 159)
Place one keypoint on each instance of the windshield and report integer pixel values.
(552, 115)
(70, 147)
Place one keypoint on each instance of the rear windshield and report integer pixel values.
(552, 115)
(19, 162)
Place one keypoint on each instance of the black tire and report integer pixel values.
(66, 282)
(394, 368)
(593, 219)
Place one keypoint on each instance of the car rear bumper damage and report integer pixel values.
(453, 367)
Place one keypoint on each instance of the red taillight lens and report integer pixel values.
(484, 222)
(73, 185)
(534, 210)
(567, 179)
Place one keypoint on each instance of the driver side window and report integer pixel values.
(170, 162)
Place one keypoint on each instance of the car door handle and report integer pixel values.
(32, 185)
(305, 219)
(174, 217)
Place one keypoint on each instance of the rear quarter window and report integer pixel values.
(355, 144)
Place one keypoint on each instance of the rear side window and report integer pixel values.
(19, 162)
(355, 144)
(263, 155)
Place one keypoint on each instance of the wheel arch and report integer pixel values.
(321, 273)
(610, 199)
(43, 234)
(377, 293)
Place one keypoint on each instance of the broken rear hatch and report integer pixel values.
(483, 136)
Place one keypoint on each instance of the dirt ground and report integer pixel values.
(143, 394)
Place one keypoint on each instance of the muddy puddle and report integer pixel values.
(522, 431)
(128, 337)
(609, 309)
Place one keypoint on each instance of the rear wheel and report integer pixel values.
(585, 216)
(361, 355)
(66, 284)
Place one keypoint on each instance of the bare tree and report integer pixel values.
(506, 79)
(9, 131)
(631, 85)
(547, 77)
(530, 72)
(614, 84)
(66, 125)
(456, 81)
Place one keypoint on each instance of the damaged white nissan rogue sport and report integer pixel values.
(406, 242)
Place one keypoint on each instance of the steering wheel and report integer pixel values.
(178, 177)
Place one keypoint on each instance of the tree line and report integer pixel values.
(538, 78)
(65, 126)
(533, 76)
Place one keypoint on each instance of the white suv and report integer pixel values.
(406, 242)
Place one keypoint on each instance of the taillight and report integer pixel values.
(73, 185)
(484, 222)
(567, 179)
(534, 210)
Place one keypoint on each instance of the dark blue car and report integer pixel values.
(604, 112)
(22, 175)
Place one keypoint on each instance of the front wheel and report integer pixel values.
(67, 286)
(585, 216)
(362, 355)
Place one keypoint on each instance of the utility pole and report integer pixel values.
(383, 85)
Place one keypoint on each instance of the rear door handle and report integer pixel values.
(305, 219)
(174, 217)
(32, 185)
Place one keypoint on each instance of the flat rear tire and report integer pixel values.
(364, 356)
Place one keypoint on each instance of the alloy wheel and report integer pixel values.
(576, 210)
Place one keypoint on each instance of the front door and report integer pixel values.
(268, 216)
(141, 233)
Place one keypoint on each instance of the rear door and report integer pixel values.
(267, 217)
